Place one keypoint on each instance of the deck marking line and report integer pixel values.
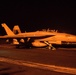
(40, 66)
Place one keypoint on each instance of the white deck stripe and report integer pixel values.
(40, 66)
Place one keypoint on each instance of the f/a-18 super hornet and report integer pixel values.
(39, 38)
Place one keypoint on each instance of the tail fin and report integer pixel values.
(7, 29)
(16, 29)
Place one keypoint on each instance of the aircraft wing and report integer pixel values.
(23, 37)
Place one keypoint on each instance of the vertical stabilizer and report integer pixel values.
(7, 29)
(16, 29)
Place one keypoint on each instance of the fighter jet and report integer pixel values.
(40, 38)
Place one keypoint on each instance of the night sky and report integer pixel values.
(36, 15)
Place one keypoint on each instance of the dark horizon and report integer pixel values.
(32, 16)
